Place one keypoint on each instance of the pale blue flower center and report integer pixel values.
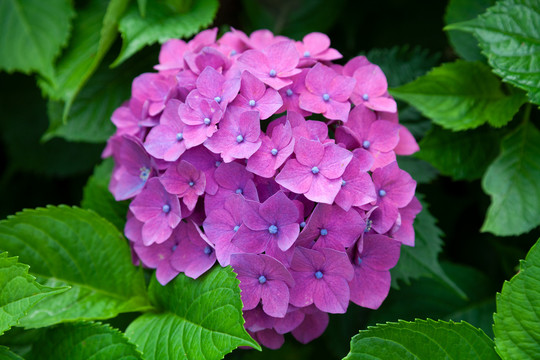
(318, 275)
(324, 232)
(252, 103)
(191, 183)
(369, 222)
(315, 170)
(239, 138)
(207, 250)
(179, 137)
(289, 92)
(326, 97)
(166, 208)
(303, 224)
(307, 54)
(272, 229)
(239, 191)
(262, 279)
(235, 229)
(233, 53)
(365, 97)
(218, 163)
(366, 144)
(207, 121)
(217, 99)
(359, 260)
(274, 151)
(174, 247)
(343, 182)
(272, 73)
(382, 193)
(145, 173)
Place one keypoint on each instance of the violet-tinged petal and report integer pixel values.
(369, 287)
(312, 327)
(295, 177)
(334, 161)
(309, 152)
(323, 190)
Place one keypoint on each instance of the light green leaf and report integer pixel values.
(81, 341)
(517, 321)
(142, 7)
(94, 32)
(509, 35)
(422, 340)
(461, 10)
(161, 23)
(421, 260)
(19, 291)
(464, 155)
(75, 247)
(6, 354)
(200, 319)
(512, 182)
(461, 95)
(96, 196)
(32, 33)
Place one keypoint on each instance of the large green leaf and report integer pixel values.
(421, 260)
(422, 340)
(6, 354)
(93, 34)
(81, 341)
(161, 23)
(32, 33)
(512, 182)
(461, 95)
(517, 321)
(19, 291)
(96, 196)
(509, 35)
(426, 297)
(199, 319)
(420, 170)
(75, 247)
(461, 10)
(463, 155)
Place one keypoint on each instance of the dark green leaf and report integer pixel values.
(5, 354)
(509, 35)
(142, 7)
(421, 260)
(461, 10)
(75, 247)
(422, 340)
(200, 319)
(464, 155)
(461, 95)
(81, 341)
(161, 23)
(32, 33)
(512, 182)
(94, 32)
(96, 196)
(420, 170)
(19, 291)
(517, 321)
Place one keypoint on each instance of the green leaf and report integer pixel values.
(90, 114)
(461, 95)
(517, 321)
(421, 260)
(200, 319)
(75, 247)
(422, 339)
(94, 32)
(461, 10)
(32, 33)
(420, 170)
(509, 35)
(81, 341)
(426, 297)
(97, 197)
(512, 182)
(464, 155)
(6, 354)
(19, 291)
(162, 22)
(142, 7)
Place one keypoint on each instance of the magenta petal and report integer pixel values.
(251, 241)
(288, 235)
(275, 298)
(316, 42)
(369, 287)
(332, 294)
(334, 161)
(407, 144)
(295, 177)
(323, 190)
(251, 290)
(312, 327)
(309, 152)
(270, 338)
(165, 272)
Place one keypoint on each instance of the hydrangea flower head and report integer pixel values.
(258, 152)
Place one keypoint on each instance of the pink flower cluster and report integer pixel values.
(221, 163)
